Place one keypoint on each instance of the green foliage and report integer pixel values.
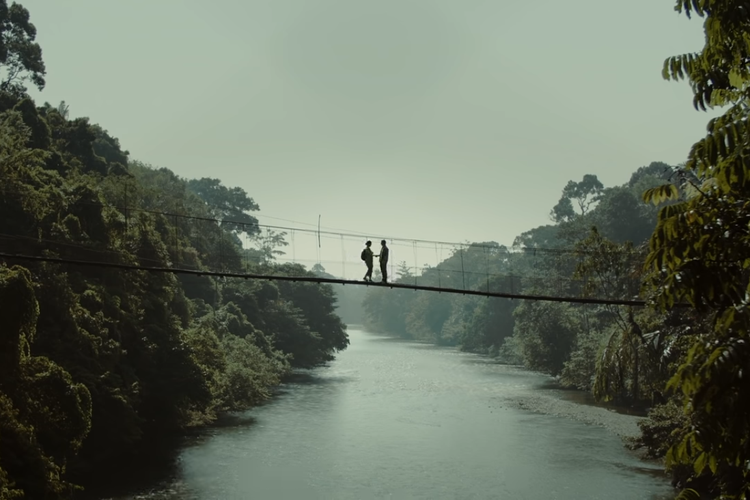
(557, 339)
(268, 243)
(698, 254)
(446, 319)
(20, 56)
(546, 332)
(665, 426)
(580, 370)
(227, 204)
(618, 353)
(491, 323)
(95, 363)
(44, 415)
(20, 311)
(585, 193)
(622, 216)
(427, 315)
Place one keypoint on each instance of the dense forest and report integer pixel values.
(594, 248)
(674, 236)
(96, 362)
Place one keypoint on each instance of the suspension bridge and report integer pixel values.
(205, 246)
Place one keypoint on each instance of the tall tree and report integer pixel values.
(585, 193)
(228, 204)
(20, 56)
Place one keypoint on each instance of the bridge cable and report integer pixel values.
(319, 231)
(315, 279)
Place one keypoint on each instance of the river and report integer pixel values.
(393, 419)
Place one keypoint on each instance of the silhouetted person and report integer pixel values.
(383, 256)
(367, 256)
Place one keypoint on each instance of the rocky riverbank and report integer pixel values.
(553, 402)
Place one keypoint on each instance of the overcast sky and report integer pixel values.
(432, 119)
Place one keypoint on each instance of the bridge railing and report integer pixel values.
(196, 243)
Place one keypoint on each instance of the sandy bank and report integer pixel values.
(552, 402)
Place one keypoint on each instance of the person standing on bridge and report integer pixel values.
(367, 256)
(383, 256)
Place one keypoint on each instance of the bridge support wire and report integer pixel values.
(313, 279)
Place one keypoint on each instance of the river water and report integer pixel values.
(392, 419)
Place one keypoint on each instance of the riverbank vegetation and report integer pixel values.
(675, 236)
(95, 362)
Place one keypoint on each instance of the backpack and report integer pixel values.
(364, 254)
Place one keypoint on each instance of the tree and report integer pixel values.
(269, 244)
(540, 237)
(622, 216)
(700, 251)
(230, 205)
(585, 193)
(545, 332)
(490, 323)
(403, 273)
(97, 364)
(655, 169)
(319, 270)
(63, 109)
(20, 56)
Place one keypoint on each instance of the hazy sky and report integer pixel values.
(431, 119)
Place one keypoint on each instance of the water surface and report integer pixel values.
(391, 419)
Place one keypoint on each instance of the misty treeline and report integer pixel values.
(678, 238)
(98, 363)
(595, 248)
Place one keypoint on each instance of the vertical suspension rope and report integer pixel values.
(206, 245)
(317, 250)
(294, 252)
(437, 259)
(416, 265)
(343, 258)
(463, 273)
(246, 245)
(487, 254)
(390, 259)
(241, 236)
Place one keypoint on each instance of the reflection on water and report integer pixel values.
(391, 419)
